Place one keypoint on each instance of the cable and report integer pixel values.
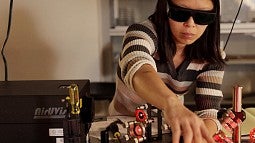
(5, 41)
(233, 25)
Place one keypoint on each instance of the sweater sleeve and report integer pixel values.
(208, 91)
(139, 44)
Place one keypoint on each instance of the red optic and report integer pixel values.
(252, 135)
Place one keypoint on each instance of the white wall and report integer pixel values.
(53, 39)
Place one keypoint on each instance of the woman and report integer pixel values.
(162, 57)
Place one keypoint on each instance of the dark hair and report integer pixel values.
(206, 48)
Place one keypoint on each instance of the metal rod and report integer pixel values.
(237, 108)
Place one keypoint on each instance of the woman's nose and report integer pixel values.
(190, 22)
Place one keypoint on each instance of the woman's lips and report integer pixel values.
(187, 35)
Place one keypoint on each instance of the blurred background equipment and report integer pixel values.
(33, 111)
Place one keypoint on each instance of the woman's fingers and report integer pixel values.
(206, 135)
(197, 136)
(187, 132)
(176, 132)
(187, 124)
(192, 129)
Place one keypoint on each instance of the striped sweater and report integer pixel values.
(139, 48)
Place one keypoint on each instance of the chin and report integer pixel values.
(188, 42)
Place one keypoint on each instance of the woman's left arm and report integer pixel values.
(209, 96)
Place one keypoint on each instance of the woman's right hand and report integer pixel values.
(184, 122)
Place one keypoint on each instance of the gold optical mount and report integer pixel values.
(74, 99)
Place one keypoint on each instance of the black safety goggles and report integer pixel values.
(200, 17)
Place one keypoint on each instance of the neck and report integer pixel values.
(180, 49)
(179, 55)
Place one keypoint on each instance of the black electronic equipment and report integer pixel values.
(33, 111)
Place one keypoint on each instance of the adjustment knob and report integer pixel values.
(252, 135)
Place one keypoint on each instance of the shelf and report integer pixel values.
(239, 28)
(240, 59)
(246, 28)
(118, 31)
(240, 62)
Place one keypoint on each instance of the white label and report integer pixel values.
(56, 132)
(59, 140)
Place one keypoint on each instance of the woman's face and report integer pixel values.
(185, 33)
